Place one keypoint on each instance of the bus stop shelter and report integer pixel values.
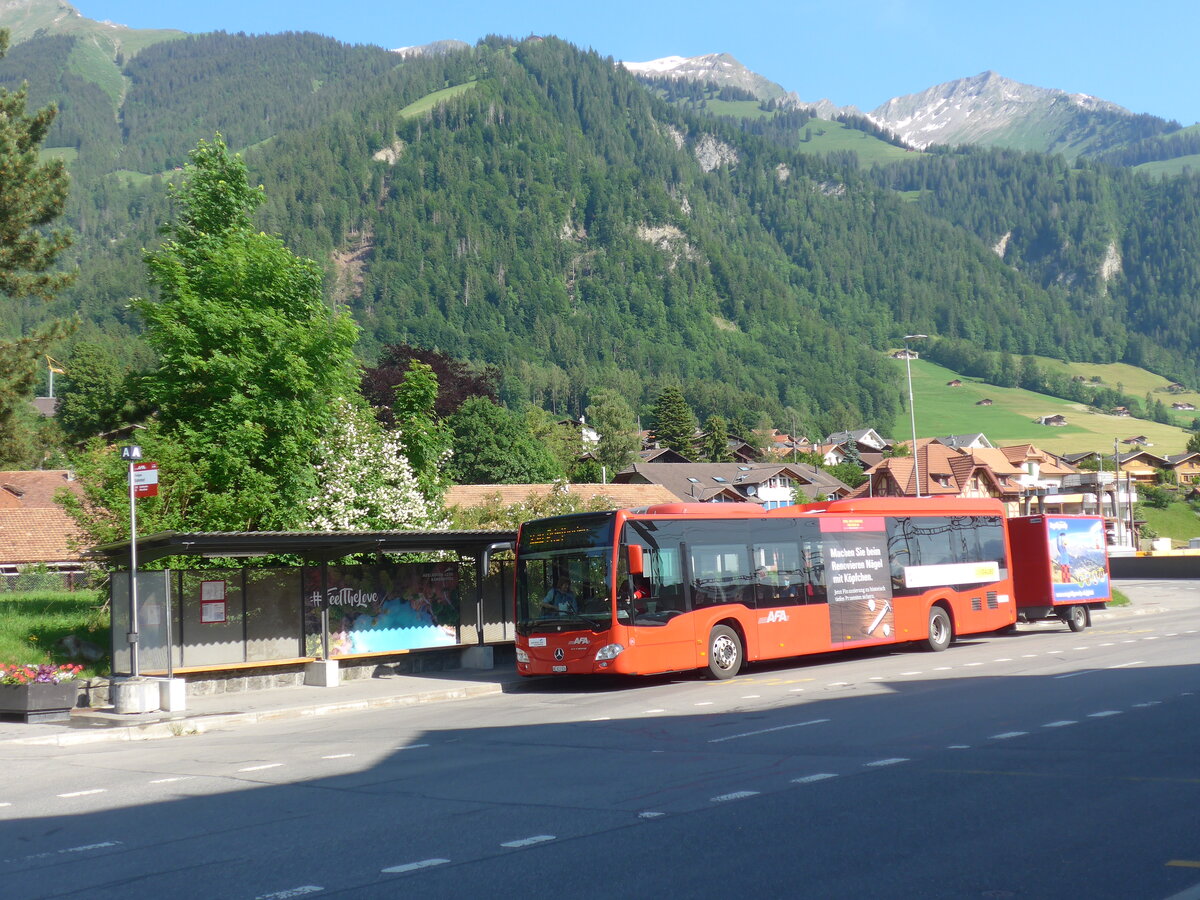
(310, 602)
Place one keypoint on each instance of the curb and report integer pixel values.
(184, 725)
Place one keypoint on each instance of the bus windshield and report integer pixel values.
(564, 574)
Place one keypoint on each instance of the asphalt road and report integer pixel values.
(1043, 764)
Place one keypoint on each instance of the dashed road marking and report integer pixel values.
(1147, 703)
(942, 668)
(736, 795)
(529, 841)
(809, 779)
(260, 768)
(84, 793)
(172, 779)
(412, 867)
(1061, 723)
(1104, 714)
(705, 703)
(412, 747)
(649, 711)
(650, 815)
(337, 756)
(1004, 736)
(734, 737)
(910, 673)
(1003, 659)
(1128, 664)
(291, 892)
(879, 763)
(971, 665)
(959, 747)
(751, 696)
(602, 719)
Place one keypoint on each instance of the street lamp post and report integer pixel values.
(912, 413)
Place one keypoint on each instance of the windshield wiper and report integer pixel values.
(564, 617)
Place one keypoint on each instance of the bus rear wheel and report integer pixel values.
(941, 632)
(724, 652)
(1077, 617)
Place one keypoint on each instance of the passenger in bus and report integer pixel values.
(560, 598)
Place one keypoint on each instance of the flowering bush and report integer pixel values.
(46, 673)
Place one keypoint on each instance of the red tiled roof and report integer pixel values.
(36, 489)
(36, 536)
(622, 495)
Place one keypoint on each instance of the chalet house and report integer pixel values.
(1183, 405)
(1121, 411)
(954, 382)
(866, 438)
(1139, 439)
(34, 530)
(769, 484)
(946, 472)
(984, 402)
(1176, 388)
(1186, 467)
(1142, 465)
(1056, 420)
(966, 441)
(662, 455)
(906, 354)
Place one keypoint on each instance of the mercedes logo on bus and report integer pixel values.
(558, 654)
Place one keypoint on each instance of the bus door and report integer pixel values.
(789, 583)
(652, 596)
(721, 579)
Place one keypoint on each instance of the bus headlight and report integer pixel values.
(522, 656)
(609, 651)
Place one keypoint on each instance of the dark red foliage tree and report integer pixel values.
(457, 381)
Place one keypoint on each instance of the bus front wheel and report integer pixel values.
(1077, 617)
(940, 630)
(724, 652)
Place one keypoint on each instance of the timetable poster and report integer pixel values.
(858, 579)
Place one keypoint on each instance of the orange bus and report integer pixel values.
(693, 586)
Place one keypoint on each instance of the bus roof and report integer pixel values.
(943, 506)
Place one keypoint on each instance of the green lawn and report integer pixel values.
(830, 136)
(32, 623)
(1168, 167)
(1178, 522)
(943, 410)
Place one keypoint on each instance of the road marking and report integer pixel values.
(82, 849)
(529, 841)
(1061, 723)
(1003, 659)
(1103, 713)
(736, 795)
(412, 747)
(1172, 634)
(260, 768)
(5, 804)
(1055, 651)
(887, 762)
(1028, 655)
(650, 815)
(84, 793)
(910, 673)
(942, 668)
(337, 756)
(1004, 736)
(1109, 644)
(1128, 664)
(602, 719)
(1079, 648)
(1147, 703)
(1185, 863)
(1073, 674)
(796, 691)
(291, 892)
(969, 665)
(875, 678)
(751, 696)
(959, 747)
(705, 703)
(169, 780)
(1153, 637)
(838, 684)
(734, 737)
(809, 779)
(648, 711)
(412, 867)
(1129, 642)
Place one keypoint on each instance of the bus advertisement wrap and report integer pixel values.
(860, 587)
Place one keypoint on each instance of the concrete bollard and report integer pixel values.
(322, 673)
(172, 694)
(134, 695)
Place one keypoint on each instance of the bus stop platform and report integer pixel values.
(230, 710)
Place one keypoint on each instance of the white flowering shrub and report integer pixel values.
(365, 483)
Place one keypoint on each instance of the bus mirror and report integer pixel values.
(636, 566)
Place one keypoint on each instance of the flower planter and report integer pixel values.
(39, 702)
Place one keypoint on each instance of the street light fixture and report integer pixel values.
(912, 413)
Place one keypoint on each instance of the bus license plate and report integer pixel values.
(558, 668)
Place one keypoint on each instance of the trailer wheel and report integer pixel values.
(724, 652)
(1077, 617)
(941, 632)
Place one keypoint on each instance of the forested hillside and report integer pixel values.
(532, 206)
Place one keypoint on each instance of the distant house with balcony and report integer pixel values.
(1055, 420)
(770, 485)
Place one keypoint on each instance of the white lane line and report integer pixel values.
(337, 756)
(412, 867)
(1109, 644)
(1079, 648)
(648, 711)
(1003, 659)
(529, 841)
(260, 768)
(5, 804)
(49, 853)
(887, 762)
(1152, 637)
(1147, 703)
(736, 795)
(910, 673)
(412, 747)
(838, 684)
(1028, 655)
(705, 703)
(942, 668)
(1172, 634)
(1128, 664)
(1129, 642)
(969, 665)
(1061, 723)
(959, 747)
(650, 815)
(809, 779)
(751, 696)
(796, 691)
(602, 719)
(875, 678)
(1104, 713)
(734, 737)
(1055, 651)
(291, 892)
(84, 793)
(172, 779)
(1004, 736)
(1073, 674)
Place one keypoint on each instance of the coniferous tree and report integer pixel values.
(715, 443)
(674, 423)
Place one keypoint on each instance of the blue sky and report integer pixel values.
(1142, 56)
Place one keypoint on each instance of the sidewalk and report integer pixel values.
(235, 709)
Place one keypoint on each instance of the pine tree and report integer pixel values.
(674, 422)
(715, 444)
(32, 195)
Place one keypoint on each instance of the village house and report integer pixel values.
(769, 484)
(1056, 420)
